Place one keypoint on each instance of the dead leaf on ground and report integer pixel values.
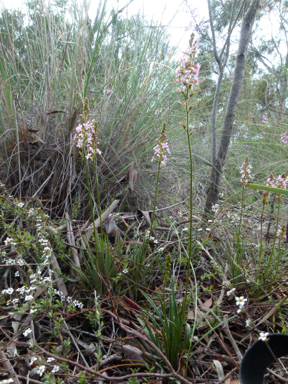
(132, 174)
(272, 311)
(146, 215)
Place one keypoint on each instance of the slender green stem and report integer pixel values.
(167, 270)
(191, 207)
(278, 261)
(99, 205)
(238, 250)
(261, 235)
(195, 322)
(154, 209)
(274, 242)
(91, 205)
(241, 216)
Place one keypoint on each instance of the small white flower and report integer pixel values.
(33, 359)
(240, 301)
(10, 262)
(249, 323)
(50, 359)
(239, 310)
(17, 274)
(27, 332)
(161, 249)
(15, 301)
(47, 250)
(215, 207)
(208, 229)
(20, 262)
(199, 229)
(55, 369)
(31, 212)
(9, 291)
(263, 336)
(43, 241)
(33, 310)
(125, 270)
(210, 221)
(185, 229)
(229, 293)
(156, 241)
(8, 241)
(20, 205)
(41, 370)
(29, 297)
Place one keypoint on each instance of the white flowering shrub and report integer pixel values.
(28, 292)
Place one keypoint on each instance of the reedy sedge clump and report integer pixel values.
(73, 54)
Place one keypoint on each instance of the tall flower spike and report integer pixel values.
(246, 172)
(281, 181)
(265, 118)
(270, 180)
(281, 233)
(161, 148)
(284, 138)
(187, 73)
(87, 134)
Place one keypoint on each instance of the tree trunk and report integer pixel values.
(216, 174)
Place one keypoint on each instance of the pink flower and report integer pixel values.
(281, 233)
(182, 63)
(265, 118)
(80, 143)
(187, 73)
(270, 181)
(281, 181)
(86, 139)
(284, 138)
(161, 148)
(246, 172)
